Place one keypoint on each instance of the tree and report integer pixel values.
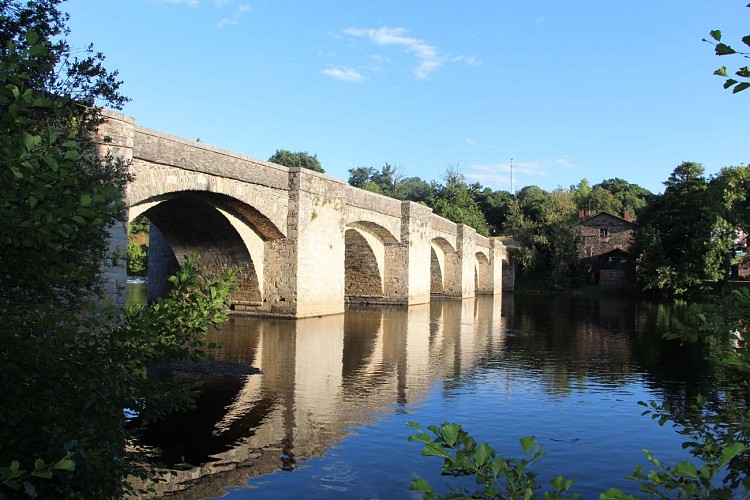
(385, 181)
(301, 159)
(601, 200)
(360, 175)
(632, 196)
(69, 364)
(731, 188)
(495, 206)
(581, 193)
(721, 49)
(676, 244)
(455, 202)
(546, 236)
(416, 189)
(729, 194)
(531, 199)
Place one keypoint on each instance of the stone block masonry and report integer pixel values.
(305, 243)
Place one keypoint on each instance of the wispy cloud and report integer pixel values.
(234, 19)
(344, 74)
(498, 175)
(191, 3)
(563, 162)
(429, 58)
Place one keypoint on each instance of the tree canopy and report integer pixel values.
(301, 159)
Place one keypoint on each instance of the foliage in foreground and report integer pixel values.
(495, 476)
(741, 78)
(72, 387)
(69, 363)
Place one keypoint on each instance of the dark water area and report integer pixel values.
(326, 417)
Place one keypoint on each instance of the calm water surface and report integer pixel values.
(327, 416)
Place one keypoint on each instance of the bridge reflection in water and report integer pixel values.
(320, 376)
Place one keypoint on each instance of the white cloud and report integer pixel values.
(221, 3)
(429, 58)
(345, 74)
(470, 141)
(563, 162)
(498, 176)
(191, 3)
(234, 19)
(473, 61)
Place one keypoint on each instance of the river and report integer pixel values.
(326, 416)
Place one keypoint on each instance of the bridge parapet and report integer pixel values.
(159, 148)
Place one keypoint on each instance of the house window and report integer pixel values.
(603, 233)
(589, 250)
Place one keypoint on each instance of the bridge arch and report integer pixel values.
(483, 283)
(222, 231)
(367, 262)
(444, 268)
(265, 208)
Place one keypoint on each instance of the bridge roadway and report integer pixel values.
(304, 243)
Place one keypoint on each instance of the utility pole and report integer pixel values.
(512, 187)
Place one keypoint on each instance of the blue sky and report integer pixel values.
(570, 89)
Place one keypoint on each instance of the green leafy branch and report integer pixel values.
(723, 49)
(496, 476)
(16, 479)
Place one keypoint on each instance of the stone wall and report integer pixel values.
(115, 138)
(320, 242)
(602, 233)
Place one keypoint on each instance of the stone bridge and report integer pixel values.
(304, 243)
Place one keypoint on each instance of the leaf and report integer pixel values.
(419, 485)
(740, 87)
(729, 83)
(434, 450)
(484, 451)
(72, 155)
(723, 49)
(450, 433)
(721, 71)
(730, 451)
(38, 50)
(65, 464)
(527, 443)
(16, 172)
(30, 141)
(746, 40)
(32, 37)
(686, 469)
(558, 482)
(615, 494)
